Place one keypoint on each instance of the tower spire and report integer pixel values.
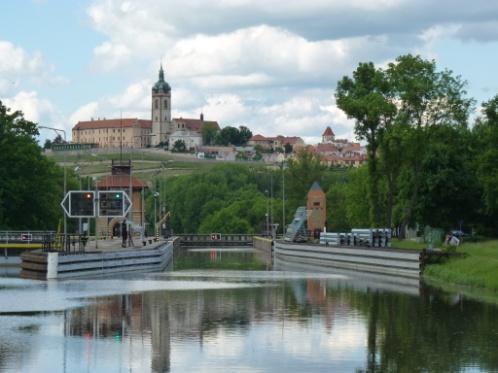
(161, 73)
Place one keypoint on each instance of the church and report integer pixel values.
(160, 130)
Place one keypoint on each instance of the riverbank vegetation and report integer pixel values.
(476, 269)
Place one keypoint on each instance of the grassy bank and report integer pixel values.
(477, 269)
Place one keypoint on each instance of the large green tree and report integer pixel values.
(366, 98)
(31, 185)
(486, 161)
(425, 97)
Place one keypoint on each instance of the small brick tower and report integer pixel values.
(317, 209)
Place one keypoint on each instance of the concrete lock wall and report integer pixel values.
(405, 263)
(263, 244)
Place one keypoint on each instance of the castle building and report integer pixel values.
(142, 133)
(113, 133)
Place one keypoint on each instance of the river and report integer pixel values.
(202, 317)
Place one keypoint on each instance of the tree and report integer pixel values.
(305, 169)
(366, 97)
(244, 135)
(228, 136)
(31, 185)
(209, 132)
(48, 144)
(425, 98)
(179, 147)
(485, 134)
(58, 140)
(287, 148)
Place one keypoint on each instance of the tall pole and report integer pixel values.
(271, 201)
(283, 197)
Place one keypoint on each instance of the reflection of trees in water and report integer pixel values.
(405, 333)
(431, 333)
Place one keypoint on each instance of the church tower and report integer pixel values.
(161, 110)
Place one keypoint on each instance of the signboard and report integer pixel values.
(79, 204)
(83, 204)
(113, 203)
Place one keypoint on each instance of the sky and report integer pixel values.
(271, 65)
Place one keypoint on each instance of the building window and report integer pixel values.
(165, 104)
(156, 103)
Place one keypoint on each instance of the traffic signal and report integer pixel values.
(81, 204)
(111, 203)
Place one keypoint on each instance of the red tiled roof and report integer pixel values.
(119, 181)
(113, 123)
(196, 124)
(322, 148)
(259, 138)
(292, 140)
(328, 132)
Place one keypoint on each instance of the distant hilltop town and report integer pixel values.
(202, 137)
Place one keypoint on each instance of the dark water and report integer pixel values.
(246, 321)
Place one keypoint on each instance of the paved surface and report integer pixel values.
(115, 245)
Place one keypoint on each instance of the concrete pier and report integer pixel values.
(110, 259)
(396, 262)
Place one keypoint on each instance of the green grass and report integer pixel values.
(477, 269)
(407, 244)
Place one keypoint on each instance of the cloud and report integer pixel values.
(19, 68)
(38, 110)
(271, 65)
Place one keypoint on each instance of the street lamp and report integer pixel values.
(283, 196)
(156, 194)
(65, 173)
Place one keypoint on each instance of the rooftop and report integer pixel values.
(113, 123)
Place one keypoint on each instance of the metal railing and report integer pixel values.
(26, 236)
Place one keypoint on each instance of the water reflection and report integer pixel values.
(282, 321)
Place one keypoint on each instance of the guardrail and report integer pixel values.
(26, 236)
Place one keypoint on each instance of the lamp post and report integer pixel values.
(65, 173)
(77, 170)
(156, 194)
(283, 196)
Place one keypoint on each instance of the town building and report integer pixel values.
(339, 152)
(190, 131)
(113, 133)
(271, 143)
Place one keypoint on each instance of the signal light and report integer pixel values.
(117, 195)
(88, 196)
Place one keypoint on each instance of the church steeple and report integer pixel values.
(161, 85)
(161, 109)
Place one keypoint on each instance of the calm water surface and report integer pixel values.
(212, 320)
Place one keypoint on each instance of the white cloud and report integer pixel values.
(85, 112)
(38, 110)
(19, 67)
